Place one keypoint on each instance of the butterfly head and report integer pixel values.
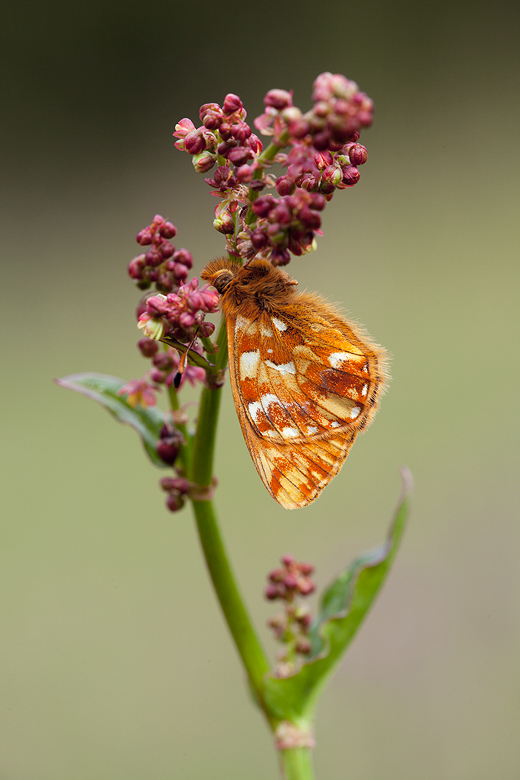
(220, 273)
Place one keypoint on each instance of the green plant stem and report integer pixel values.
(297, 764)
(201, 473)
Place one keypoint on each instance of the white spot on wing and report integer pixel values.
(241, 323)
(249, 364)
(283, 368)
(255, 410)
(279, 324)
(266, 331)
(354, 412)
(312, 429)
(365, 389)
(290, 433)
(269, 399)
(335, 424)
(337, 358)
(270, 351)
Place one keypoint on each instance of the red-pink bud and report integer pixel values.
(306, 587)
(285, 186)
(163, 361)
(224, 224)
(244, 174)
(144, 237)
(278, 98)
(287, 560)
(203, 110)
(194, 143)
(271, 592)
(258, 239)
(174, 501)
(358, 154)
(148, 347)
(136, 266)
(290, 581)
(350, 175)
(240, 155)
(203, 162)
(168, 230)
(166, 249)
(168, 449)
(231, 104)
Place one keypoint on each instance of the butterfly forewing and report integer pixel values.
(305, 381)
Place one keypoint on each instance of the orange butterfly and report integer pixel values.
(305, 381)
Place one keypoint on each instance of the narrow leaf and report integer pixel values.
(103, 389)
(344, 606)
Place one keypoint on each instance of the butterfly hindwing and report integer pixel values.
(302, 386)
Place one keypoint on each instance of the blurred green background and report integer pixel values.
(114, 660)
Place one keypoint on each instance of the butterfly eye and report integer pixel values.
(222, 280)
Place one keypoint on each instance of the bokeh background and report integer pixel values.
(115, 663)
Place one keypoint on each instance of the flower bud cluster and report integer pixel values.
(284, 225)
(181, 313)
(291, 627)
(161, 264)
(324, 156)
(177, 489)
(224, 133)
(339, 113)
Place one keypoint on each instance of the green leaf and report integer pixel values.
(103, 389)
(344, 606)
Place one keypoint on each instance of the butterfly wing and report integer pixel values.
(305, 382)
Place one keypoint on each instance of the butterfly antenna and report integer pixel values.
(181, 368)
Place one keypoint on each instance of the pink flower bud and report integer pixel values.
(232, 103)
(244, 174)
(144, 237)
(194, 143)
(350, 175)
(206, 329)
(163, 361)
(153, 257)
(358, 154)
(254, 143)
(136, 266)
(148, 348)
(306, 587)
(157, 305)
(240, 155)
(258, 239)
(168, 449)
(187, 319)
(278, 99)
(288, 560)
(271, 592)
(285, 186)
(280, 257)
(183, 257)
(168, 230)
(175, 501)
(290, 581)
(224, 224)
(203, 162)
(166, 249)
(241, 131)
(299, 128)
